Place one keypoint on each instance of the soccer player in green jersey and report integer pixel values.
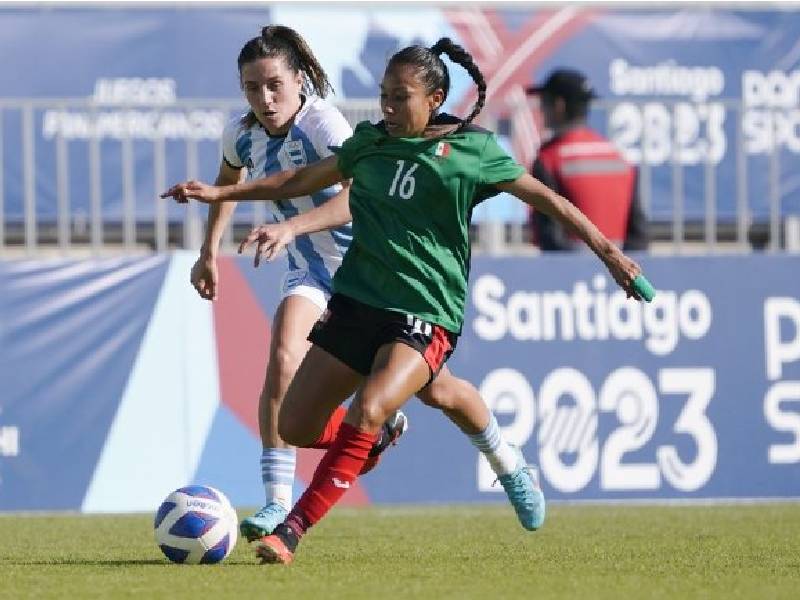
(400, 293)
(284, 85)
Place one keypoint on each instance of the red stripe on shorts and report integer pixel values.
(437, 350)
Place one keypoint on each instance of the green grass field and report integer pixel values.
(729, 551)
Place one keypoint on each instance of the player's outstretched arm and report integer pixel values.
(204, 275)
(271, 238)
(534, 192)
(280, 186)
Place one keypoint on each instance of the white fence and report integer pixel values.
(54, 160)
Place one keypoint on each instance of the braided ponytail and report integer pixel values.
(433, 71)
(461, 57)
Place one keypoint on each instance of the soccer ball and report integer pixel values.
(196, 525)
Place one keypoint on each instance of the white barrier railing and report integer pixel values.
(55, 127)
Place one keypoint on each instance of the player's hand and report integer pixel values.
(270, 239)
(204, 277)
(198, 190)
(624, 271)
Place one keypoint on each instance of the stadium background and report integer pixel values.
(117, 384)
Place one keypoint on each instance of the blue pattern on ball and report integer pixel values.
(176, 555)
(162, 512)
(217, 553)
(193, 525)
(199, 491)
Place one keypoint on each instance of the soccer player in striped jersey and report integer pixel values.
(400, 293)
(289, 125)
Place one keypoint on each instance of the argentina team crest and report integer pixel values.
(296, 153)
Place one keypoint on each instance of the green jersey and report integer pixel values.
(411, 201)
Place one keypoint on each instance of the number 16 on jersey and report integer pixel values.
(403, 183)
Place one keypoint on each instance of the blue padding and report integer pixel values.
(163, 511)
(176, 555)
(193, 525)
(199, 491)
(217, 553)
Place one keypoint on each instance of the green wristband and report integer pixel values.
(644, 288)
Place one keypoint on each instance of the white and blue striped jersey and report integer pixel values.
(317, 126)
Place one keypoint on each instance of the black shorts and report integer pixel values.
(352, 332)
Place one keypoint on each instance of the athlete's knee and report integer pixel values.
(292, 430)
(444, 393)
(371, 411)
(283, 363)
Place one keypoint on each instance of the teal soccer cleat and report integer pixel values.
(525, 495)
(263, 522)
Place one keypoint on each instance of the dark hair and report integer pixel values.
(576, 109)
(434, 73)
(279, 40)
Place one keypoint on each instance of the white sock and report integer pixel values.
(502, 457)
(277, 473)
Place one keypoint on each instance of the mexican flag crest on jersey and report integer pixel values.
(442, 150)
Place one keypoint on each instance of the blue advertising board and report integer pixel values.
(677, 398)
(120, 384)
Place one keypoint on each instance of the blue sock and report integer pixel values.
(277, 473)
(502, 457)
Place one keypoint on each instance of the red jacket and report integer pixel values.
(587, 169)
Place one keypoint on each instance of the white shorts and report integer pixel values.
(302, 283)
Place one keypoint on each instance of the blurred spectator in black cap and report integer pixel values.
(584, 167)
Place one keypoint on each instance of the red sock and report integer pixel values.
(335, 473)
(331, 429)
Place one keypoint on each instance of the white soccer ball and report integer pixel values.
(196, 525)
